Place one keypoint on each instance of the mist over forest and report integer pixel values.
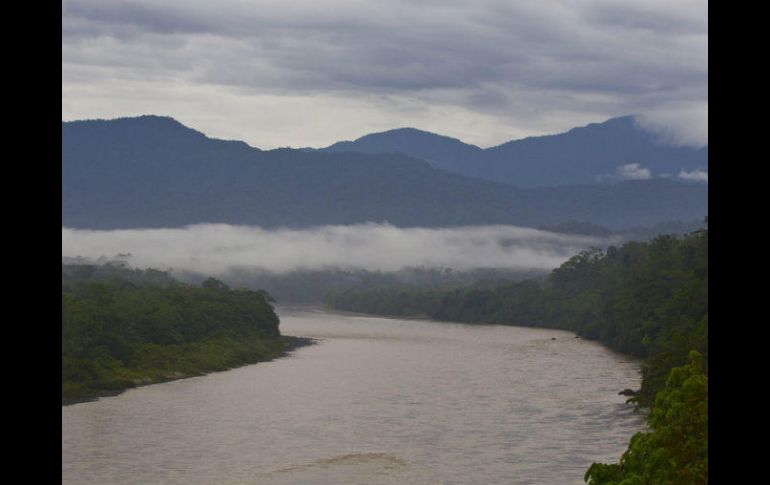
(218, 248)
(300, 265)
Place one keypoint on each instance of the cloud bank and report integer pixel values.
(216, 249)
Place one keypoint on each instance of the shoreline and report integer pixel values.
(291, 343)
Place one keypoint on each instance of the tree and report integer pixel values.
(675, 451)
(214, 284)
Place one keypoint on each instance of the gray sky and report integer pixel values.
(311, 72)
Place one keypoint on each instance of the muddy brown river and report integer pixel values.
(376, 401)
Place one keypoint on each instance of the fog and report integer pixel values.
(218, 249)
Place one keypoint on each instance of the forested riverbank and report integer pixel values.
(648, 300)
(122, 328)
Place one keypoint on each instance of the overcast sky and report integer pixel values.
(309, 72)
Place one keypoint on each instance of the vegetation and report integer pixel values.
(649, 300)
(122, 328)
(675, 451)
(308, 286)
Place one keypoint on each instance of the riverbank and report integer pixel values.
(263, 352)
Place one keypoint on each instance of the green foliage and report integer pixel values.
(675, 450)
(113, 272)
(214, 284)
(117, 333)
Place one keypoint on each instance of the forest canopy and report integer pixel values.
(124, 327)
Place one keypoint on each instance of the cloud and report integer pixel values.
(216, 249)
(517, 68)
(678, 122)
(694, 176)
(633, 171)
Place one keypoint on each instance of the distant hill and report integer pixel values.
(153, 171)
(582, 155)
(440, 151)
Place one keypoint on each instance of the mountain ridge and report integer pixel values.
(159, 173)
(587, 154)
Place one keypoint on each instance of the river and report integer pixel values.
(376, 401)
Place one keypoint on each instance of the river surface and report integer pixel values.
(376, 401)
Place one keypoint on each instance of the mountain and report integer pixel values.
(583, 155)
(153, 171)
(440, 151)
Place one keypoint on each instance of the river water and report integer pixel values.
(376, 401)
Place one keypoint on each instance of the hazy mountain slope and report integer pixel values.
(154, 172)
(587, 154)
(440, 151)
(582, 155)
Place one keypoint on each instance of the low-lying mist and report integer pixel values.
(220, 249)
